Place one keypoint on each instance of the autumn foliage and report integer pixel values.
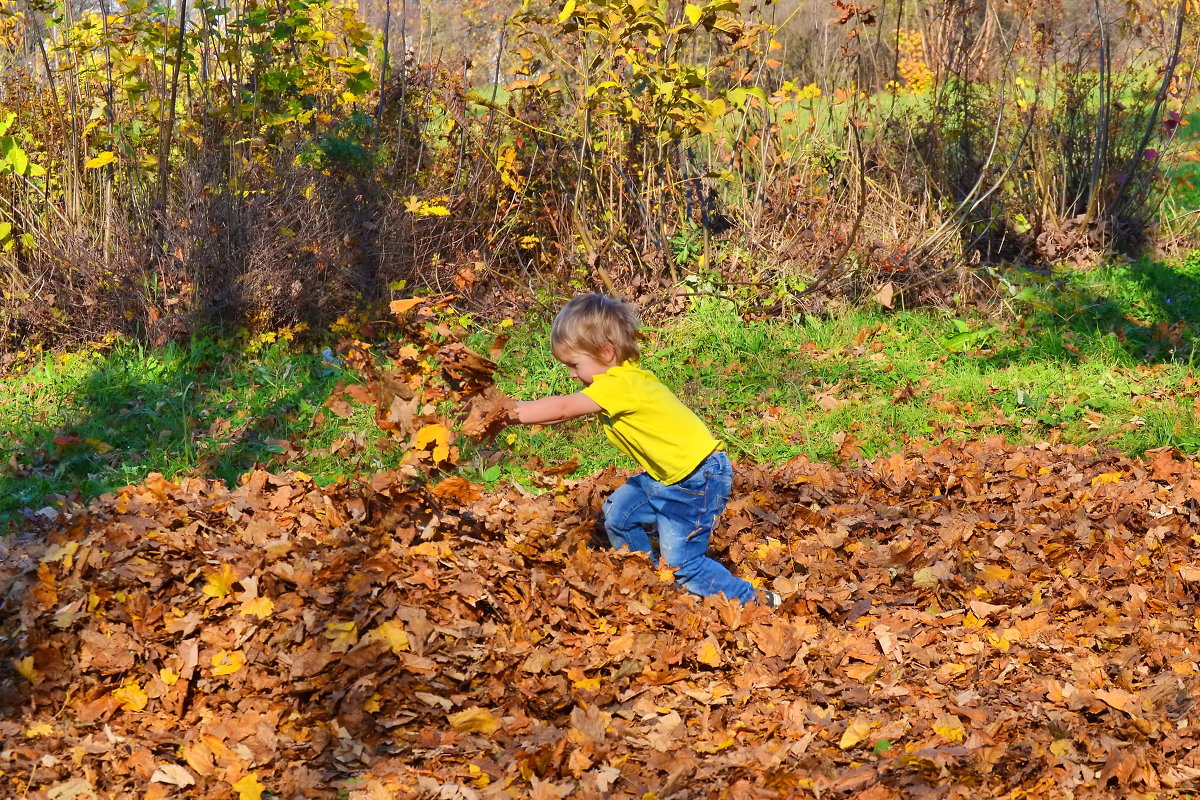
(970, 619)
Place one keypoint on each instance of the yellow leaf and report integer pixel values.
(588, 684)
(101, 160)
(168, 676)
(342, 635)
(999, 642)
(713, 747)
(949, 727)
(99, 446)
(855, 732)
(227, 662)
(394, 634)
(709, 653)
(130, 696)
(692, 12)
(63, 552)
(924, 578)
(371, 705)
(1061, 747)
(220, 583)
(475, 720)
(995, 572)
(436, 435)
(248, 787)
(40, 729)
(25, 667)
(261, 607)
(1106, 477)
(666, 575)
(430, 550)
(480, 778)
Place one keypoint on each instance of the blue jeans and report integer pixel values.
(685, 513)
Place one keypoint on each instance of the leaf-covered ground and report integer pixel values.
(977, 621)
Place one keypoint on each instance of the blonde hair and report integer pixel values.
(589, 322)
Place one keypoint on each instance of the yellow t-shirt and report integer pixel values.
(646, 422)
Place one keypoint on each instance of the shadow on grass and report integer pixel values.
(197, 410)
(1145, 312)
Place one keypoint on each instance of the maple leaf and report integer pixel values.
(949, 727)
(249, 787)
(227, 662)
(130, 696)
(436, 435)
(24, 667)
(709, 652)
(261, 607)
(342, 636)
(393, 634)
(168, 676)
(220, 582)
(40, 729)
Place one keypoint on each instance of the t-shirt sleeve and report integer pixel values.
(610, 393)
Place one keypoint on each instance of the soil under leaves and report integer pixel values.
(974, 620)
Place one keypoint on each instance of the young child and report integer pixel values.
(687, 475)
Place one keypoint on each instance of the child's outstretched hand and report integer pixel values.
(488, 413)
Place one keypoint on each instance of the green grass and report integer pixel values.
(80, 424)
(1105, 356)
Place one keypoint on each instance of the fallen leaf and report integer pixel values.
(855, 732)
(249, 787)
(227, 662)
(220, 582)
(475, 720)
(172, 774)
(709, 652)
(130, 696)
(394, 634)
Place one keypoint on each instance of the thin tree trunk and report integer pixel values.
(164, 138)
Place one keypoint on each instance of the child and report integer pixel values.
(688, 477)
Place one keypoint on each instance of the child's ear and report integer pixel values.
(608, 353)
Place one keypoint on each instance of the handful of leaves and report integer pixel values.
(427, 366)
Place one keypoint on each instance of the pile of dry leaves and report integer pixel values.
(975, 620)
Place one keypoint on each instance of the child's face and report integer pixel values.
(584, 367)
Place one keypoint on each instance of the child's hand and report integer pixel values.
(488, 413)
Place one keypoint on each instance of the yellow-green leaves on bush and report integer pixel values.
(101, 160)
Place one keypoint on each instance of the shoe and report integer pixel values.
(770, 599)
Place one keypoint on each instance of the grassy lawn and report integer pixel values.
(1105, 356)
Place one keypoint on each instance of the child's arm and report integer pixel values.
(556, 408)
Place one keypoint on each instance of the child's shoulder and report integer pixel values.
(631, 372)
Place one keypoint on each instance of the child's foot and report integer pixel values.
(770, 599)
